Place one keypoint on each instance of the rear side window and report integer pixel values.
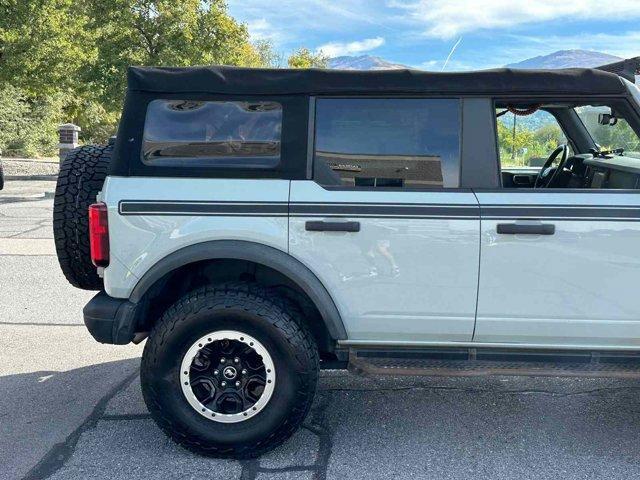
(393, 143)
(227, 134)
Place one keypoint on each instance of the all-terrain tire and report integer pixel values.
(81, 176)
(254, 311)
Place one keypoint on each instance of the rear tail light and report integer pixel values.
(99, 234)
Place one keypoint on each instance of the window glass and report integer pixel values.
(387, 142)
(615, 135)
(527, 140)
(207, 133)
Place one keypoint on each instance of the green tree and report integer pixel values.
(260, 54)
(512, 146)
(304, 58)
(28, 127)
(42, 44)
(162, 33)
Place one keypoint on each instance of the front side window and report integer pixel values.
(534, 152)
(212, 133)
(393, 143)
(609, 130)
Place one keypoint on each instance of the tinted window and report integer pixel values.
(387, 142)
(225, 134)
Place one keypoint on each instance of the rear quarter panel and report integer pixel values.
(138, 240)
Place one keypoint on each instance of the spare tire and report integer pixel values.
(81, 176)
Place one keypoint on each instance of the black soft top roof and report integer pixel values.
(242, 81)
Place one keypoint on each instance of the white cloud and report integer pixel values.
(446, 19)
(336, 49)
(262, 29)
(296, 20)
(430, 64)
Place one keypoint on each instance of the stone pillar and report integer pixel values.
(68, 138)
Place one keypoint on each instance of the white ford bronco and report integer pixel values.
(258, 225)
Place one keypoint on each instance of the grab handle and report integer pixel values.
(322, 226)
(526, 229)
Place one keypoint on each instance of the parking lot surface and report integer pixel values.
(72, 408)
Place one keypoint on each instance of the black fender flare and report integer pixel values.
(258, 253)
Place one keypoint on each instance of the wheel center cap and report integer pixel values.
(229, 373)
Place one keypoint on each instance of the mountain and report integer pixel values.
(567, 59)
(363, 62)
(559, 59)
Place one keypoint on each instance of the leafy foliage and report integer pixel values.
(161, 33)
(304, 58)
(42, 43)
(532, 139)
(28, 127)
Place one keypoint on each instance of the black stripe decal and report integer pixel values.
(554, 205)
(567, 212)
(413, 210)
(385, 210)
(204, 208)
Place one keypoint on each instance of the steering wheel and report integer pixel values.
(547, 175)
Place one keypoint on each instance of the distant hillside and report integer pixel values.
(559, 59)
(363, 62)
(567, 59)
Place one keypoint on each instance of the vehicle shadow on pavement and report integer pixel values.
(374, 427)
(44, 413)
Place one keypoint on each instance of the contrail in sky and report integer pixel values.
(450, 54)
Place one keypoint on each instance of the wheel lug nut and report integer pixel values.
(244, 371)
(224, 384)
(215, 372)
(237, 384)
(222, 360)
(236, 360)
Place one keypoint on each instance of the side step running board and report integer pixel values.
(478, 362)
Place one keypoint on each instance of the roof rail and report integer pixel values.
(627, 68)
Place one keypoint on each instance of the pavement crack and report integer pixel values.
(129, 416)
(56, 457)
(319, 425)
(250, 469)
(290, 468)
(15, 235)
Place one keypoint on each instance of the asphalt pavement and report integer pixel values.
(71, 408)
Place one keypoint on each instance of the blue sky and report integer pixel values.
(421, 33)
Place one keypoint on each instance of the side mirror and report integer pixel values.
(607, 119)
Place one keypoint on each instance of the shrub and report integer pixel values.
(28, 126)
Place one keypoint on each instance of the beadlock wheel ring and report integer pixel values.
(211, 348)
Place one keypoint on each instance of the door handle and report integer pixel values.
(322, 226)
(526, 229)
